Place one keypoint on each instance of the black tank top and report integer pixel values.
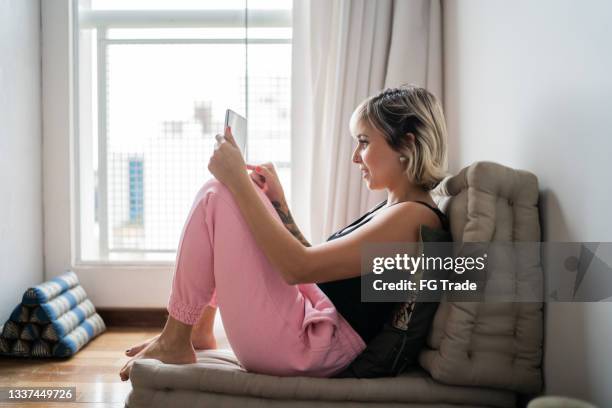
(366, 318)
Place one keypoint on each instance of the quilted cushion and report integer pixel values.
(217, 380)
(489, 344)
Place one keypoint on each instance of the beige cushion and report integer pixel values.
(490, 344)
(219, 380)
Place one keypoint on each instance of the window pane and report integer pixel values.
(269, 107)
(165, 104)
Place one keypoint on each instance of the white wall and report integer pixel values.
(528, 84)
(21, 234)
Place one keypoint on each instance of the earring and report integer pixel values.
(402, 159)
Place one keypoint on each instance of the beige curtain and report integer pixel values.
(344, 51)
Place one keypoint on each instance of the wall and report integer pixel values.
(528, 84)
(21, 234)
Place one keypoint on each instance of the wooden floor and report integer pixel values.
(94, 370)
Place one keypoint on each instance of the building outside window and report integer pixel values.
(136, 191)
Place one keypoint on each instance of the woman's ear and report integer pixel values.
(410, 139)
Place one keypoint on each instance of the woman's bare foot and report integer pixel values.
(159, 349)
(199, 341)
(203, 341)
(202, 336)
(135, 349)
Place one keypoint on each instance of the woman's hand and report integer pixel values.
(227, 163)
(266, 178)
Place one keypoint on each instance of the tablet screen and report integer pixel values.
(239, 129)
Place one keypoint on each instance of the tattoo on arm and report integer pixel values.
(287, 218)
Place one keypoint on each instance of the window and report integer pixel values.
(154, 80)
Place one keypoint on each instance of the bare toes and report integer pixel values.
(135, 349)
(127, 368)
(132, 351)
(124, 374)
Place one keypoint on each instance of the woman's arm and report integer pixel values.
(282, 249)
(266, 178)
(284, 213)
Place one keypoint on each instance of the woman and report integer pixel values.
(240, 249)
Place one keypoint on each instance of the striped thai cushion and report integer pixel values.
(50, 289)
(54, 319)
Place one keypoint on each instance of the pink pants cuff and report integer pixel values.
(184, 313)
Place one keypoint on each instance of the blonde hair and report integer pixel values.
(410, 109)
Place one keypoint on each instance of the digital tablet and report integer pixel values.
(239, 129)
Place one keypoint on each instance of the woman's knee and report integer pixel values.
(220, 192)
(213, 196)
(213, 186)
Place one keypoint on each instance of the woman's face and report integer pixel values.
(379, 163)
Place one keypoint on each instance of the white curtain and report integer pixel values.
(344, 51)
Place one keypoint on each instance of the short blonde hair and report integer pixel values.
(410, 109)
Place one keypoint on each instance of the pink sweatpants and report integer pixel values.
(273, 328)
